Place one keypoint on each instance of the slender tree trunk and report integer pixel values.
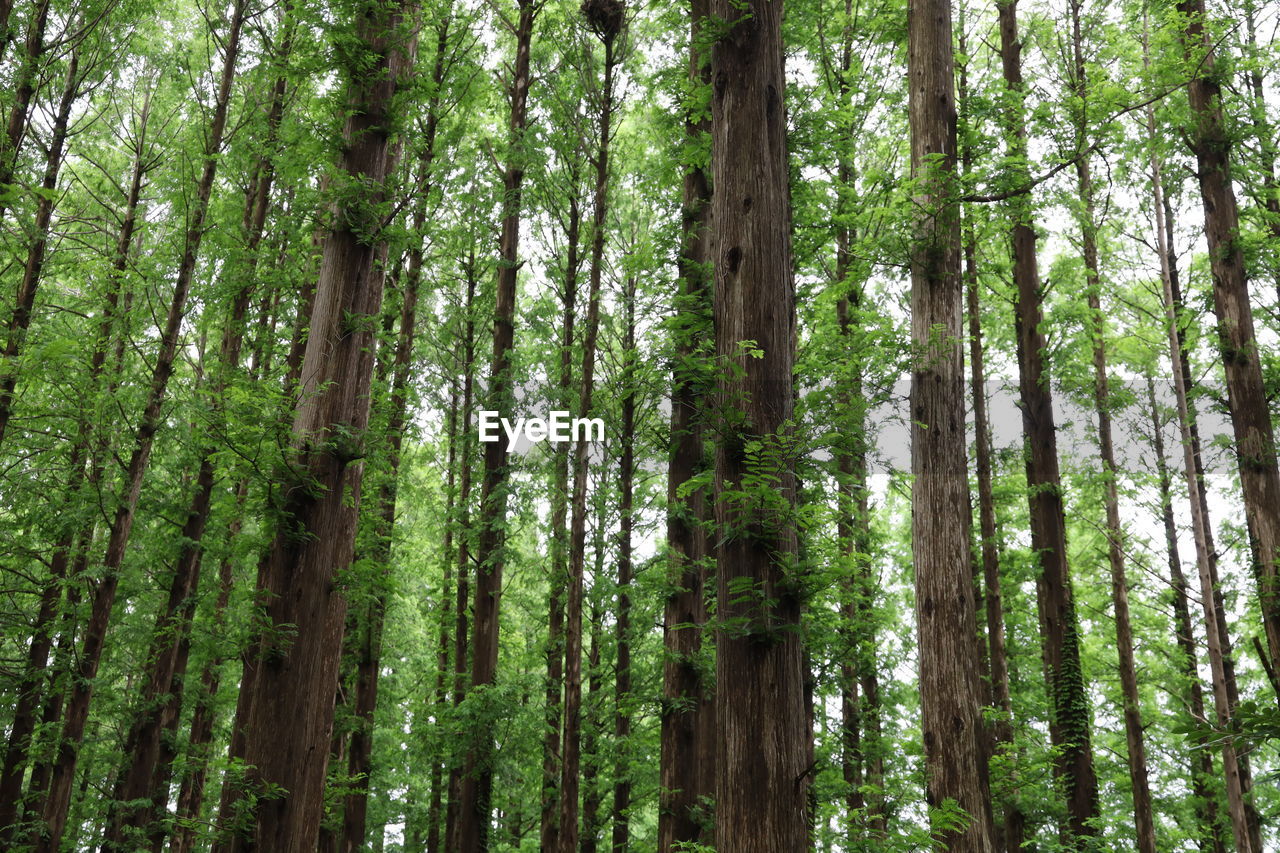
(1069, 724)
(551, 752)
(477, 782)
(59, 797)
(687, 772)
(460, 662)
(622, 699)
(290, 718)
(20, 320)
(1131, 710)
(762, 777)
(1200, 527)
(1200, 760)
(950, 692)
(24, 86)
(591, 786)
(608, 32)
(1246, 394)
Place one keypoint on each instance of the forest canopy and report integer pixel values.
(576, 425)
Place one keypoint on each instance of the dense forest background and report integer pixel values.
(265, 261)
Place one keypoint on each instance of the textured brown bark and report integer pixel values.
(1200, 769)
(1069, 723)
(290, 715)
(570, 745)
(20, 319)
(1246, 395)
(1136, 753)
(360, 755)
(687, 739)
(950, 692)
(621, 838)
(58, 799)
(477, 781)
(762, 772)
(1231, 771)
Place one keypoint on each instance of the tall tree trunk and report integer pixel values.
(551, 751)
(1069, 724)
(1009, 835)
(950, 692)
(1246, 394)
(1200, 760)
(290, 715)
(360, 757)
(622, 700)
(460, 609)
(1131, 710)
(477, 781)
(762, 772)
(686, 771)
(1200, 530)
(607, 31)
(58, 799)
(20, 319)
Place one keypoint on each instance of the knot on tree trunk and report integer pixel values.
(605, 17)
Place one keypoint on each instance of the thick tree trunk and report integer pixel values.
(360, 756)
(290, 715)
(570, 748)
(762, 772)
(477, 781)
(950, 690)
(1069, 724)
(687, 772)
(1246, 394)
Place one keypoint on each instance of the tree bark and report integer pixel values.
(687, 772)
(477, 782)
(290, 715)
(1200, 529)
(1246, 394)
(950, 692)
(1069, 724)
(1200, 768)
(24, 88)
(622, 699)
(762, 777)
(1131, 708)
(570, 747)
